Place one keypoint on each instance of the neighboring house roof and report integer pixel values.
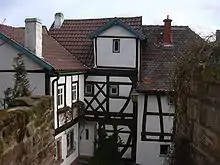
(54, 54)
(158, 61)
(118, 22)
(73, 35)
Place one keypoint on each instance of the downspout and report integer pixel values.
(53, 82)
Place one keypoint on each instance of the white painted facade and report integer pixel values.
(66, 82)
(148, 152)
(107, 58)
(7, 56)
(115, 105)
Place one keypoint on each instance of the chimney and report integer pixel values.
(59, 18)
(217, 35)
(167, 31)
(33, 36)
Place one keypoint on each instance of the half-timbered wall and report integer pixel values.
(104, 55)
(64, 117)
(106, 109)
(155, 122)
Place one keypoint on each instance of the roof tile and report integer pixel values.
(53, 52)
(73, 35)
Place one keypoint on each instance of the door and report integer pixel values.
(87, 138)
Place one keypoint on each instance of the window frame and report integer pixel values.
(113, 45)
(71, 142)
(76, 92)
(92, 89)
(60, 102)
(111, 86)
(87, 134)
(167, 149)
(58, 150)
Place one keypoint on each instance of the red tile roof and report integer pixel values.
(158, 62)
(73, 35)
(53, 52)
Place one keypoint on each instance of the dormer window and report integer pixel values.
(116, 45)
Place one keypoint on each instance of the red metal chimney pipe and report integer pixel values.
(167, 31)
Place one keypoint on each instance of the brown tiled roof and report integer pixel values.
(157, 61)
(73, 35)
(53, 52)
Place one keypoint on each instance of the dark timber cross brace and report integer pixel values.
(101, 112)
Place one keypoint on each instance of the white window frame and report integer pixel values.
(117, 90)
(60, 95)
(92, 89)
(74, 90)
(113, 47)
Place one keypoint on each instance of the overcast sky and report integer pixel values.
(201, 15)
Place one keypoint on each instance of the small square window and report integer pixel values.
(60, 96)
(164, 149)
(89, 89)
(113, 90)
(116, 45)
(74, 92)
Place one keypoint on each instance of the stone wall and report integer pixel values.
(203, 117)
(26, 132)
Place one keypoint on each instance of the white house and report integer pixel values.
(99, 64)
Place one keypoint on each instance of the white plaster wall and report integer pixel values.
(96, 78)
(115, 104)
(68, 160)
(7, 55)
(117, 31)
(126, 57)
(67, 80)
(149, 152)
(120, 79)
(37, 82)
(81, 88)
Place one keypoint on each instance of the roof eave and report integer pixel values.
(118, 22)
(24, 50)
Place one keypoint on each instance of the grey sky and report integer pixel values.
(200, 15)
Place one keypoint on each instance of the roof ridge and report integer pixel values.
(66, 49)
(103, 18)
(163, 26)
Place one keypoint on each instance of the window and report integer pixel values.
(164, 149)
(87, 134)
(116, 46)
(74, 92)
(70, 142)
(113, 90)
(170, 100)
(60, 96)
(58, 150)
(89, 89)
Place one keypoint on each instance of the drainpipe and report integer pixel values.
(53, 82)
